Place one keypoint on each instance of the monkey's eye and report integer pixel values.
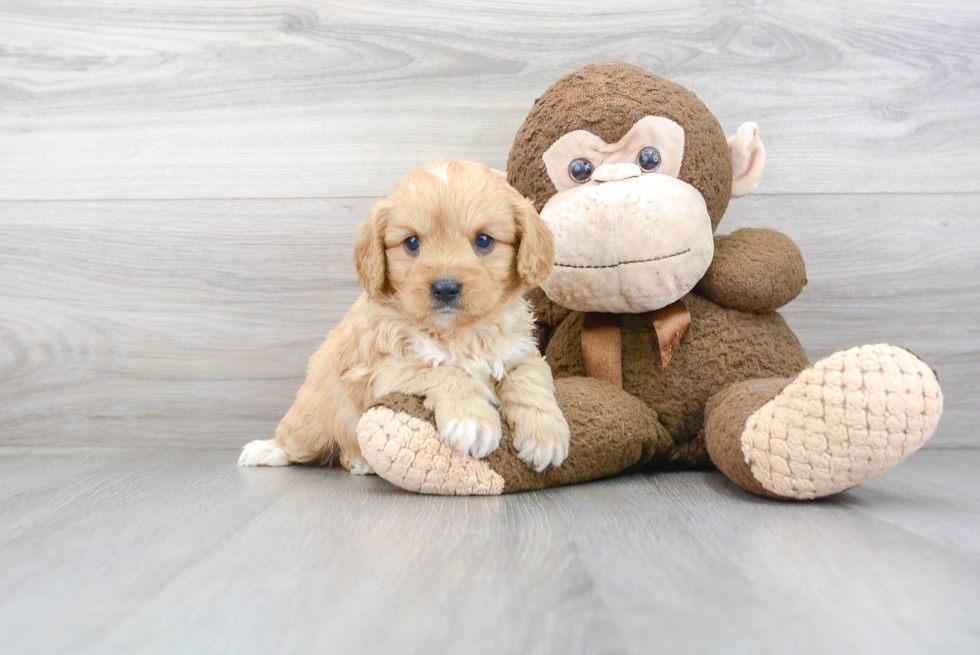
(483, 242)
(580, 170)
(648, 159)
(412, 244)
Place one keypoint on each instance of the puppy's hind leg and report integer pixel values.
(301, 437)
(263, 453)
(344, 425)
(320, 428)
(355, 463)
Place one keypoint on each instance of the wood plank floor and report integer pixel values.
(127, 550)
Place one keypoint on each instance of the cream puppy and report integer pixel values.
(444, 261)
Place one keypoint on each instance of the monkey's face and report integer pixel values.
(630, 237)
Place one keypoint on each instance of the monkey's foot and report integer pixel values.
(406, 450)
(844, 420)
(611, 431)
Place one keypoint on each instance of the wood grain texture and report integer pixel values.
(246, 99)
(177, 551)
(189, 322)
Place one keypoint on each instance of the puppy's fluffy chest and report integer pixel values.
(376, 345)
(486, 353)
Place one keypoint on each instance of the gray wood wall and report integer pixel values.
(180, 182)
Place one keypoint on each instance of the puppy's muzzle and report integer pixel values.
(446, 293)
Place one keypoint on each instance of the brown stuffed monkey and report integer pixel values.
(663, 339)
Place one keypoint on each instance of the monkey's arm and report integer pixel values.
(754, 270)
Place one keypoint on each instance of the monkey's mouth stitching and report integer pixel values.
(635, 261)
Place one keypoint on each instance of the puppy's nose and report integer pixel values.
(445, 291)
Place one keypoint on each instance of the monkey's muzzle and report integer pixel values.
(627, 246)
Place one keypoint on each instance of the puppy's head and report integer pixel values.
(451, 244)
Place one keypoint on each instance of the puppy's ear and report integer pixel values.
(369, 251)
(536, 247)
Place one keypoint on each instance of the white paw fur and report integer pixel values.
(263, 453)
(543, 454)
(541, 439)
(358, 466)
(471, 437)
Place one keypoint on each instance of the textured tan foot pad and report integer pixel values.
(842, 421)
(407, 452)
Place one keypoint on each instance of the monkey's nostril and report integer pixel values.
(446, 291)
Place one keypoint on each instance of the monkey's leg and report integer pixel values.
(610, 432)
(840, 422)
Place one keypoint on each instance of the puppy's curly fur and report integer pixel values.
(444, 261)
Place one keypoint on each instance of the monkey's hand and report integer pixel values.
(754, 270)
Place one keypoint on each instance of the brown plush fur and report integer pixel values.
(734, 333)
(726, 413)
(754, 270)
(721, 346)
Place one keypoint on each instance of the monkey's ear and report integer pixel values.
(748, 159)
(369, 251)
(535, 247)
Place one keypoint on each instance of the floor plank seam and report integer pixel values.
(611, 615)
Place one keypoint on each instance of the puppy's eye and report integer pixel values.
(483, 242)
(580, 170)
(648, 159)
(412, 244)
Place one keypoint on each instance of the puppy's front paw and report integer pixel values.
(541, 438)
(472, 427)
